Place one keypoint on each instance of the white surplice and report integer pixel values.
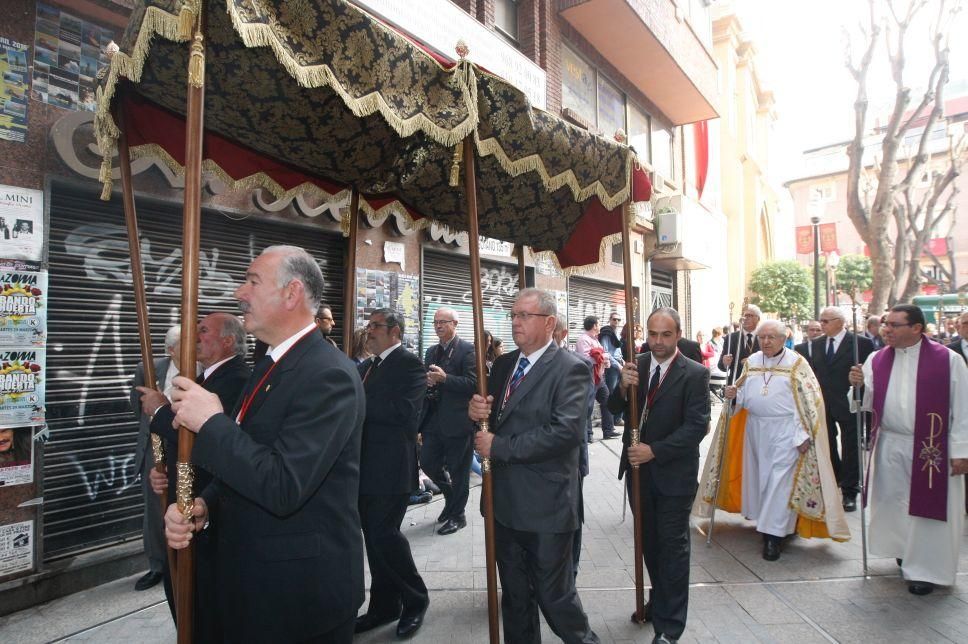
(928, 548)
(773, 433)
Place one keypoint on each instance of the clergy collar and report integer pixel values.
(913, 348)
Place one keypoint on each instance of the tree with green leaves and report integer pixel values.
(854, 275)
(783, 287)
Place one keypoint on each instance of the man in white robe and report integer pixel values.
(775, 440)
(926, 548)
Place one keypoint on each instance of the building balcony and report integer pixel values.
(652, 44)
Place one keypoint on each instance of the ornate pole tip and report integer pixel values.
(462, 49)
(111, 49)
(620, 136)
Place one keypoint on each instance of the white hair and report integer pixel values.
(297, 264)
(755, 310)
(776, 325)
(451, 312)
(834, 312)
(172, 336)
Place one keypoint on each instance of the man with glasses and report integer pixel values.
(918, 392)
(814, 331)
(396, 385)
(833, 356)
(448, 434)
(786, 481)
(535, 410)
(741, 344)
(326, 323)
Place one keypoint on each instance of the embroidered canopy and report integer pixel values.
(359, 106)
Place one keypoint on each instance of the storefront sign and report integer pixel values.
(441, 23)
(21, 223)
(16, 548)
(22, 386)
(13, 91)
(23, 308)
(497, 247)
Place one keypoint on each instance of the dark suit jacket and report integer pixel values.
(448, 414)
(802, 349)
(538, 436)
(395, 392)
(736, 343)
(688, 348)
(290, 550)
(226, 382)
(833, 377)
(957, 348)
(677, 423)
(143, 445)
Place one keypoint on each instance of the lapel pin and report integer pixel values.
(267, 388)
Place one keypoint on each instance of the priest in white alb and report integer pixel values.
(766, 461)
(917, 390)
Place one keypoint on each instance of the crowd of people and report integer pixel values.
(305, 463)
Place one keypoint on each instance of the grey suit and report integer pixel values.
(153, 528)
(535, 460)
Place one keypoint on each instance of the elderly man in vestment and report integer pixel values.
(918, 392)
(773, 467)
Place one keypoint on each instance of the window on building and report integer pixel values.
(578, 86)
(823, 192)
(611, 108)
(617, 255)
(662, 154)
(639, 128)
(506, 19)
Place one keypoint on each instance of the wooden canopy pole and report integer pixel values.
(191, 233)
(633, 410)
(141, 304)
(522, 269)
(477, 299)
(349, 281)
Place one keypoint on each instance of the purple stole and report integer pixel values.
(929, 472)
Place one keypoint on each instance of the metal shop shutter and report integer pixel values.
(92, 494)
(592, 297)
(662, 289)
(446, 281)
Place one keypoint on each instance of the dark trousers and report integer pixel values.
(441, 456)
(395, 581)
(537, 572)
(207, 627)
(612, 377)
(844, 459)
(342, 634)
(665, 549)
(153, 526)
(608, 421)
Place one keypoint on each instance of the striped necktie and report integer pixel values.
(518, 375)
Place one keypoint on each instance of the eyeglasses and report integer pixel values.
(897, 325)
(442, 322)
(524, 316)
(769, 338)
(828, 321)
(372, 325)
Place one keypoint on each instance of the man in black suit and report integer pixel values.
(689, 348)
(447, 432)
(960, 344)
(873, 332)
(221, 351)
(536, 410)
(326, 323)
(740, 345)
(153, 526)
(675, 407)
(396, 386)
(833, 356)
(286, 467)
(805, 348)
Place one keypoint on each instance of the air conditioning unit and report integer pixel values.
(668, 227)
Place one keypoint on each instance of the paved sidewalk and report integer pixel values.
(816, 592)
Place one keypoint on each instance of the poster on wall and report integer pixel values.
(16, 456)
(68, 53)
(383, 289)
(23, 308)
(22, 386)
(13, 91)
(21, 224)
(16, 548)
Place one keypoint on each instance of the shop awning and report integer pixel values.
(319, 96)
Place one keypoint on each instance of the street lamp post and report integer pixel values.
(816, 266)
(833, 259)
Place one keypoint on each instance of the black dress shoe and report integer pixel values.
(367, 622)
(771, 548)
(410, 622)
(646, 613)
(850, 504)
(149, 579)
(920, 587)
(899, 561)
(609, 435)
(453, 525)
(662, 638)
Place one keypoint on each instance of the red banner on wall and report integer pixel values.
(804, 240)
(828, 238)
